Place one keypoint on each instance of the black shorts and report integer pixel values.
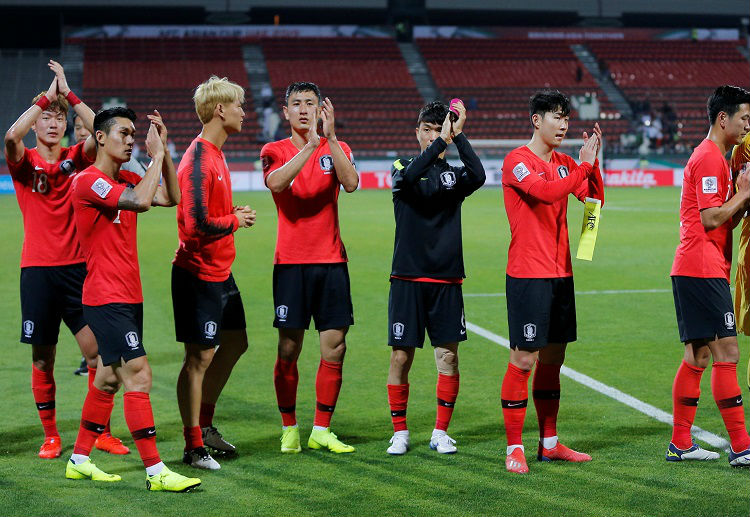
(320, 291)
(704, 308)
(118, 328)
(412, 306)
(203, 309)
(50, 294)
(540, 311)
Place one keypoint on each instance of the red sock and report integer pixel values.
(285, 378)
(140, 420)
(514, 398)
(447, 391)
(193, 437)
(91, 376)
(96, 411)
(206, 418)
(398, 398)
(43, 388)
(686, 390)
(327, 387)
(546, 392)
(728, 397)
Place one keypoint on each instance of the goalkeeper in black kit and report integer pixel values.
(428, 266)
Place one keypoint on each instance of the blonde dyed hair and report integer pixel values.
(60, 104)
(216, 91)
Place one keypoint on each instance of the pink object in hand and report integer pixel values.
(454, 112)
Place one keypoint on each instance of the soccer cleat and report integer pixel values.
(325, 438)
(290, 440)
(200, 459)
(399, 443)
(51, 448)
(108, 443)
(561, 453)
(213, 438)
(694, 452)
(443, 443)
(168, 481)
(83, 369)
(87, 470)
(516, 462)
(739, 459)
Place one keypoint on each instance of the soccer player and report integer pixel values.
(208, 309)
(310, 278)
(428, 267)
(52, 265)
(539, 281)
(106, 200)
(710, 208)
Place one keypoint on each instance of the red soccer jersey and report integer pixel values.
(108, 238)
(43, 193)
(706, 183)
(536, 202)
(308, 231)
(205, 220)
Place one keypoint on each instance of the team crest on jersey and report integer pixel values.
(710, 185)
(448, 178)
(398, 330)
(326, 163)
(562, 171)
(28, 328)
(101, 187)
(67, 167)
(210, 329)
(131, 338)
(281, 312)
(529, 331)
(729, 320)
(520, 171)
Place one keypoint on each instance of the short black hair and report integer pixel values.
(549, 101)
(105, 118)
(726, 98)
(302, 86)
(433, 113)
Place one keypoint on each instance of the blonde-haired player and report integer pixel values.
(208, 312)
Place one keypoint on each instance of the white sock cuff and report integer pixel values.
(509, 450)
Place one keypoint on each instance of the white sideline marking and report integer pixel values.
(606, 291)
(638, 405)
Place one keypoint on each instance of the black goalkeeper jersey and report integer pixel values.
(427, 197)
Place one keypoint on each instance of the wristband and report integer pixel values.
(43, 102)
(72, 98)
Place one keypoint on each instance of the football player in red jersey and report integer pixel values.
(52, 265)
(106, 200)
(310, 279)
(208, 310)
(539, 281)
(711, 206)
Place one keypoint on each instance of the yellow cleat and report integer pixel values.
(168, 481)
(319, 439)
(290, 440)
(87, 470)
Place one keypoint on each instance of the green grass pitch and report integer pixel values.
(628, 341)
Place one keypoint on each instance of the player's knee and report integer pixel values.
(108, 385)
(524, 362)
(337, 353)
(446, 361)
(140, 378)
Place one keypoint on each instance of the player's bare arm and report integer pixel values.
(345, 171)
(168, 193)
(14, 147)
(281, 178)
(81, 109)
(734, 209)
(139, 198)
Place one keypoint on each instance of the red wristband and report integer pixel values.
(43, 102)
(72, 98)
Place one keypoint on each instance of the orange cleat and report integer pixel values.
(516, 462)
(108, 443)
(51, 448)
(561, 453)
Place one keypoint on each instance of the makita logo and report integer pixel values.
(633, 178)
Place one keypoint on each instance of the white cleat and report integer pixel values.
(442, 443)
(200, 459)
(694, 453)
(399, 443)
